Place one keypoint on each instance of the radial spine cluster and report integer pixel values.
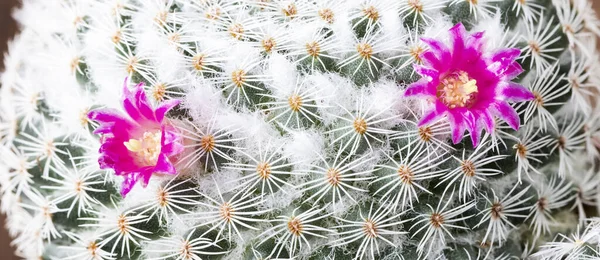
(299, 129)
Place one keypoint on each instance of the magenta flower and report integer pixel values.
(468, 86)
(139, 144)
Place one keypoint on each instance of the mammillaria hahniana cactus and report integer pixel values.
(327, 129)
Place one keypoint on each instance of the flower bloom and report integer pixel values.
(140, 143)
(468, 86)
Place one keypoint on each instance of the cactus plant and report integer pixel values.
(279, 129)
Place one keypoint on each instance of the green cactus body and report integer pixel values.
(302, 130)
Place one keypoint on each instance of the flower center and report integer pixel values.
(457, 90)
(147, 148)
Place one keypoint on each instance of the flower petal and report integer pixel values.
(105, 115)
(429, 58)
(145, 175)
(457, 34)
(476, 41)
(515, 92)
(503, 63)
(471, 120)
(432, 74)
(506, 55)
(142, 102)
(442, 54)
(457, 125)
(110, 122)
(128, 183)
(507, 113)
(488, 121)
(436, 113)
(164, 107)
(438, 48)
(118, 129)
(420, 88)
(163, 165)
(170, 141)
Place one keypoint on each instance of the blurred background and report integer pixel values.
(7, 29)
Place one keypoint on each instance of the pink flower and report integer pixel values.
(140, 143)
(468, 86)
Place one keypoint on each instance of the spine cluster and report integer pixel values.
(329, 129)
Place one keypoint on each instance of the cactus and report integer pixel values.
(278, 129)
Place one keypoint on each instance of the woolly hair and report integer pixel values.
(300, 137)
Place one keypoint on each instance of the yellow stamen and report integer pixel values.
(457, 90)
(133, 145)
(147, 148)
